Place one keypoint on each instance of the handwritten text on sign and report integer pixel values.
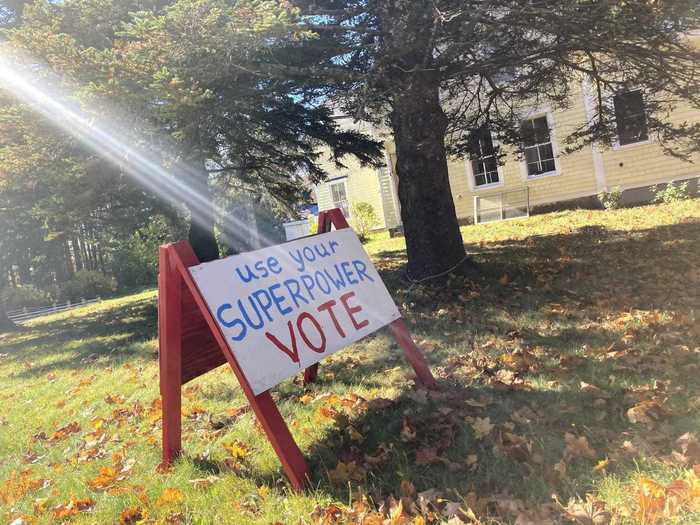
(287, 307)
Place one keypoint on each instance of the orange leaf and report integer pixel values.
(651, 498)
(170, 496)
(73, 507)
(64, 432)
(132, 516)
(106, 478)
(237, 450)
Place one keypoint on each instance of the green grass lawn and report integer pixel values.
(569, 368)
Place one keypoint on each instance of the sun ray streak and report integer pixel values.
(108, 139)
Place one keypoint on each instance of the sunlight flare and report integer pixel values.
(32, 84)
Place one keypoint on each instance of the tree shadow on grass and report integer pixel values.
(567, 284)
(428, 441)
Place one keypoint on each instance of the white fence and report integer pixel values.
(297, 229)
(501, 206)
(25, 314)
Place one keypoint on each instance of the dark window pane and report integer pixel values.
(486, 143)
(533, 168)
(480, 143)
(548, 165)
(474, 146)
(546, 151)
(490, 164)
(531, 155)
(630, 116)
(483, 157)
(541, 129)
(527, 131)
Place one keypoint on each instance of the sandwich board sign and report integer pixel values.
(284, 308)
(270, 313)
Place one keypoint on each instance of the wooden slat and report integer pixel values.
(170, 337)
(200, 351)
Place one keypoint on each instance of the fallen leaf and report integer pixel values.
(560, 469)
(132, 516)
(601, 465)
(203, 483)
(306, 399)
(689, 452)
(237, 449)
(73, 507)
(482, 427)
(647, 412)
(344, 472)
(577, 447)
(105, 479)
(408, 490)
(170, 496)
(408, 433)
(589, 512)
(651, 498)
(63, 432)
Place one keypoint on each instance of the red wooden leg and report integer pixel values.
(281, 439)
(170, 327)
(310, 374)
(413, 353)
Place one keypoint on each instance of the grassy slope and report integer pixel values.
(606, 298)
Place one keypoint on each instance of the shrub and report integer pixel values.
(87, 284)
(313, 224)
(22, 296)
(136, 258)
(363, 219)
(671, 193)
(611, 200)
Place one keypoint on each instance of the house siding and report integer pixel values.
(323, 197)
(644, 164)
(389, 198)
(575, 178)
(362, 184)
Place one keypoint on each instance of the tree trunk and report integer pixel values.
(202, 236)
(101, 258)
(433, 241)
(77, 255)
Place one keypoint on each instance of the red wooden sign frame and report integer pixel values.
(191, 344)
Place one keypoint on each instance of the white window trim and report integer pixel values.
(596, 150)
(542, 112)
(616, 142)
(471, 179)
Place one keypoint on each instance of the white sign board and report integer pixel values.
(284, 308)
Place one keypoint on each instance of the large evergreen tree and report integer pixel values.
(180, 71)
(437, 69)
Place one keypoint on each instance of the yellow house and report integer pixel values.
(375, 186)
(484, 189)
